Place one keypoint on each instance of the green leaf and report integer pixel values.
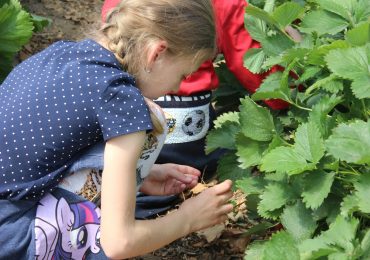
(342, 233)
(249, 151)
(15, 28)
(261, 14)
(337, 7)
(362, 11)
(323, 22)
(228, 168)
(39, 22)
(270, 88)
(309, 73)
(359, 35)
(363, 192)
(298, 221)
(365, 245)
(351, 142)
(223, 137)
(353, 64)
(309, 143)
(317, 55)
(253, 60)
(251, 184)
(349, 205)
(317, 187)
(320, 114)
(255, 251)
(315, 248)
(256, 122)
(226, 117)
(348, 63)
(286, 13)
(276, 43)
(361, 86)
(285, 159)
(275, 196)
(255, 27)
(281, 246)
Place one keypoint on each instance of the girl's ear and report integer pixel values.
(155, 52)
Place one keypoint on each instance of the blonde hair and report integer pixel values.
(186, 25)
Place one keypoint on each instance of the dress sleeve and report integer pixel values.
(234, 41)
(122, 110)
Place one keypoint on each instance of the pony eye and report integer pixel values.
(79, 237)
(97, 237)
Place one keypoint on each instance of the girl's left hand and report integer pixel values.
(169, 179)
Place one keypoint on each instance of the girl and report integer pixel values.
(64, 100)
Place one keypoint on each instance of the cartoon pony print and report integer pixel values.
(66, 231)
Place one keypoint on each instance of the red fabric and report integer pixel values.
(233, 41)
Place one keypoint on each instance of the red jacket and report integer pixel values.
(233, 41)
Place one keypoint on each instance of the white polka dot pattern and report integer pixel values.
(56, 104)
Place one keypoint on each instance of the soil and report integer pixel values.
(71, 20)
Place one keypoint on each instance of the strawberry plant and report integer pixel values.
(16, 29)
(307, 168)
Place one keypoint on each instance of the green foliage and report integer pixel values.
(310, 164)
(16, 29)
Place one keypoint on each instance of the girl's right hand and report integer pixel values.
(208, 208)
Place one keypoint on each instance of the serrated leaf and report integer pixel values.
(317, 55)
(223, 137)
(363, 192)
(351, 142)
(317, 187)
(253, 60)
(320, 112)
(261, 14)
(254, 251)
(309, 143)
(309, 73)
(281, 246)
(353, 64)
(251, 184)
(15, 28)
(337, 7)
(276, 44)
(362, 11)
(329, 209)
(285, 159)
(323, 22)
(226, 117)
(286, 13)
(348, 63)
(256, 122)
(255, 27)
(361, 87)
(315, 248)
(298, 221)
(359, 35)
(249, 151)
(270, 88)
(275, 196)
(365, 245)
(228, 168)
(349, 205)
(342, 232)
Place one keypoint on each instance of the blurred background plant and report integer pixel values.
(16, 29)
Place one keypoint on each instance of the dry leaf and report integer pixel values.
(212, 233)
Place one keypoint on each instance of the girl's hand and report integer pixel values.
(208, 208)
(169, 179)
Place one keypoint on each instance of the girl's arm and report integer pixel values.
(121, 235)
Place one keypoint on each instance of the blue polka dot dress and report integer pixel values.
(55, 105)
